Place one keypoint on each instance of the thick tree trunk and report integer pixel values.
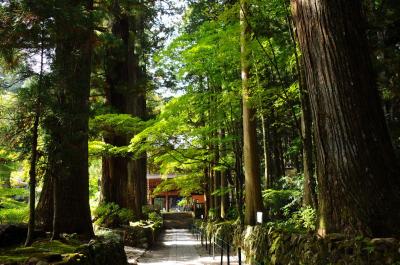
(137, 185)
(44, 208)
(114, 187)
(250, 154)
(123, 179)
(358, 174)
(114, 179)
(309, 187)
(70, 126)
(137, 168)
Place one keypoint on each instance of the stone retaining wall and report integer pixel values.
(280, 247)
(268, 245)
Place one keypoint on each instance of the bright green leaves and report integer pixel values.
(210, 52)
(176, 136)
(180, 139)
(164, 186)
(120, 124)
(186, 184)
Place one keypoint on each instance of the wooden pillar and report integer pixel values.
(166, 202)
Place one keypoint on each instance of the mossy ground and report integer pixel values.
(42, 248)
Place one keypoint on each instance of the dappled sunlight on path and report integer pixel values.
(178, 247)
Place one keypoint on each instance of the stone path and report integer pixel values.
(179, 247)
(133, 254)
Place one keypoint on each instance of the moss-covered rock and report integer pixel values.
(102, 251)
(98, 252)
(141, 234)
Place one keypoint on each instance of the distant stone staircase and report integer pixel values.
(178, 220)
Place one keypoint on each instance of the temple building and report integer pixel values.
(169, 200)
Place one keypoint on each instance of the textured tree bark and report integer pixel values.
(358, 179)
(223, 179)
(253, 201)
(124, 179)
(114, 178)
(114, 169)
(70, 124)
(309, 193)
(309, 185)
(44, 208)
(137, 168)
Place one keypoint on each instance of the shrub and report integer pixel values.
(281, 203)
(152, 214)
(305, 218)
(155, 217)
(147, 209)
(232, 213)
(112, 215)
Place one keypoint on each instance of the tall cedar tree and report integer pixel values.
(124, 179)
(357, 169)
(253, 198)
(69, 126)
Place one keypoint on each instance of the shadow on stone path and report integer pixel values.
(178, 246)
(180, 220)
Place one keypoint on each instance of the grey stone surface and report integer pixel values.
(133, 254)
(179, 247)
